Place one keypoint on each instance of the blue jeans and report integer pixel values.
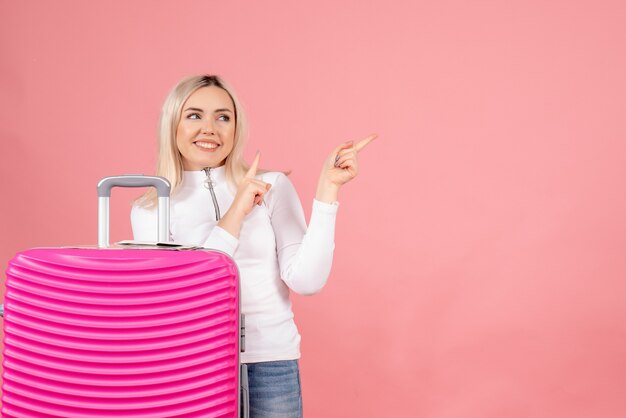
(274, 388)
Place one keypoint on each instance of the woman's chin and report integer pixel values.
(198, 165)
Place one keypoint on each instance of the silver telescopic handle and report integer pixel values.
(136, 180)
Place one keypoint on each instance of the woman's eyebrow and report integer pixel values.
(222, 110)
(195, 109)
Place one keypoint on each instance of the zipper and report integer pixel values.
(208, 183)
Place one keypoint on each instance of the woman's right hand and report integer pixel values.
(249, 193)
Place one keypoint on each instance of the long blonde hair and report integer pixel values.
(170, 161)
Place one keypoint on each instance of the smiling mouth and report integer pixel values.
(206, 145)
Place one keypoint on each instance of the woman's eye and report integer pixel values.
(193, 116)
(224, 118)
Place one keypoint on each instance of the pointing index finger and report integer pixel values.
(363, 143)
(255, 164)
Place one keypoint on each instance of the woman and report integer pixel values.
(219, 202)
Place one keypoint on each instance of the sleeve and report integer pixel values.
(220, 239)
(305, 254)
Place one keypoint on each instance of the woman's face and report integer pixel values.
(206, 132)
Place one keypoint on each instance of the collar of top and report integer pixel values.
(193, 178)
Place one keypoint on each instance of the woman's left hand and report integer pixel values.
(340, 167)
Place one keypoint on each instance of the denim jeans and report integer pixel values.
(274, 388)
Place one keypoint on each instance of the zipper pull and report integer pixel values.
(208, 182)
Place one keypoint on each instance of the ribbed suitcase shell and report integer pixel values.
(121, 333)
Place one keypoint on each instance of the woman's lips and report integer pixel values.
(206, 145)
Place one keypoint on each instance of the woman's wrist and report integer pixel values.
(326, 191)
(231, 222)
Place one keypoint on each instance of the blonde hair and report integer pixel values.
(170, 161)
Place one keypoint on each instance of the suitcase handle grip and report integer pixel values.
(163, 188)
(134, 180)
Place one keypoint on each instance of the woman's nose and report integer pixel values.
(207, 128)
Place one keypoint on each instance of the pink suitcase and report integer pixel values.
(123, 332)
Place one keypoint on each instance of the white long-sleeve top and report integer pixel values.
(275, 252)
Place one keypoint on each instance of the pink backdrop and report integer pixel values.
(480, 262)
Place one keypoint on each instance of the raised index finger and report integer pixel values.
(363, 143)
(255, 164)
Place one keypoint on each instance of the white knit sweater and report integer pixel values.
(275, 252)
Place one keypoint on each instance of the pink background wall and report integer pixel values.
(480, 262)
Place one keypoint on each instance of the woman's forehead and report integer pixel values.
(208, 98)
